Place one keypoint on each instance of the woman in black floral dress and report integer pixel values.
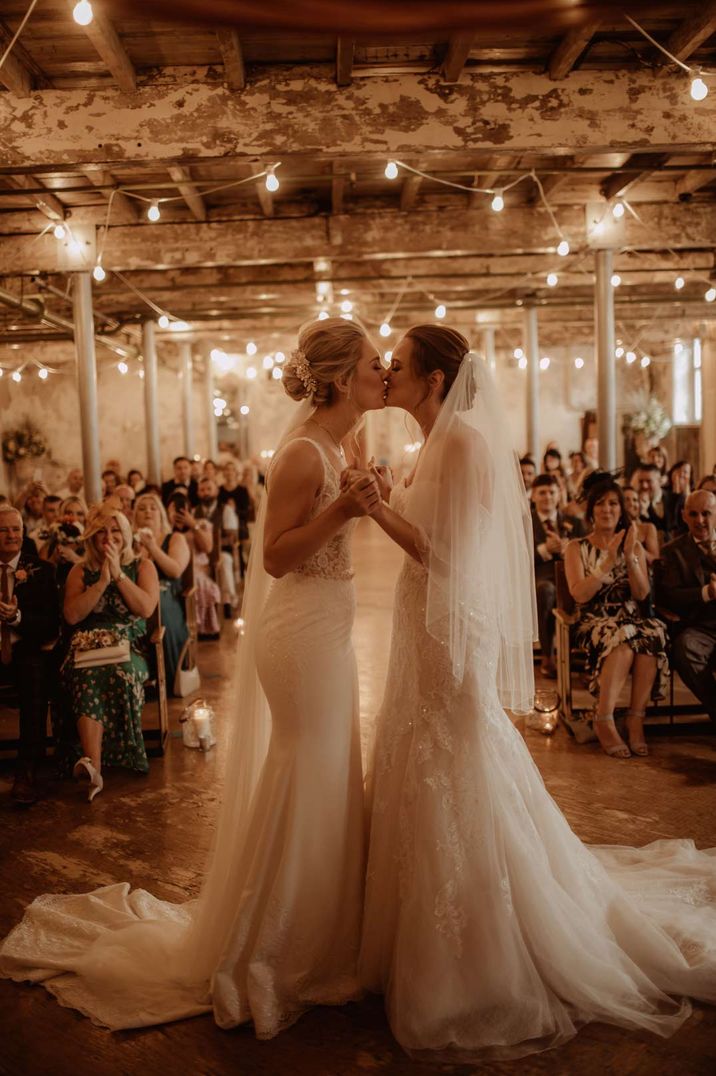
(107, 598)
(608, 578)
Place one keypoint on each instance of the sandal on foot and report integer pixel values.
(617, 750)
(638, 747)
(85, 768)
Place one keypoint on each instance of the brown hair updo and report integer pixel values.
(326, 350)
(437, 347)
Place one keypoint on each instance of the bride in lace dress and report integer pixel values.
(491, 929)
(277, 926)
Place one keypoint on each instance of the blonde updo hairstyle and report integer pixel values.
(326, 351)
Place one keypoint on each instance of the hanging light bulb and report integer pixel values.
(552, 280)
(646, 361)
(388, 356)
(82, 13)
(498, 202)
(59, 231)
(98, 273)
(16, 375)
(154, 213)
(579, 362)
(391, 170)
(279, 356)
(277, 373)
(163, 321)
(141, 375)
(346, 306)
(630, 357)
(563, 248)
(251, 348)
(268, 362)
(440, 310)
(710, 295)
(616, 280)
(544, 362)
(272, 183)
(385, 329)
(244, 409)
(699, 89)
(251, 373)
(618, 210)
(518, 353)
(679, 283)
(122, 367)
(43, 374)
(179, 326)
(323, 315)
(523, 363)
(619, 352)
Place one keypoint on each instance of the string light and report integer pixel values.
(244, 409)
(619, 352)
(141, 375)
(385, 329)
(518, 353)
(163, 322)
(563, 248)
(391, 170)
(646, 361)
(346, 306)
(552, 280)
(679, 283)
(630, 357)
(616, 280)
(268, 362)
(98, 273)
(699, 89)
(618, 210)
(82, 13)
(523, 363)
(122, 367)
(272, 183)
(16, 375)
(251, 372)
(544, 362)
(179, 326)
(43, 374)
(279, 356)
(498, 202)
(388, 356)
(710, 295)
(59, 231)
(440, 310)
(277, 373)
(323, 315)
(154, 213)
(579, 362)
(251, 348)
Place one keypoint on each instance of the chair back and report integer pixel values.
(565, 601)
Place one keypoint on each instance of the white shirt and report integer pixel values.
(12, 568)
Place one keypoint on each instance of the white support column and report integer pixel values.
(213, 443)
(488, 347)
(604, 337)
(151, 403)
(531, 348)
(187, 372)
(708, 400)
(87, 384)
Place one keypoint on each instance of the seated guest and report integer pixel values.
(646, 532)
(677, 489)
(590, 450)
(552, 530)
(577, 467)
(50, 514)
(135, 479)
(686, 586)
(181, 481)
(124, 494)
(64, 546)
(608, 578)
(552, 462)
(107, 600)
(30, 504)
(225, 525)
(74, 484)
(647, 482)
(170, 553)
(235, 492)
(658, 456)
(210, 470)
(529, 472)
(708, 482)
(196, 469)
(199, 534)
(110, 481)
(29, 618)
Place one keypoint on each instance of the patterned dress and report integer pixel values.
(613, 617)
(112, 694)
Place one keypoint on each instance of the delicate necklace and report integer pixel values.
(336, 442)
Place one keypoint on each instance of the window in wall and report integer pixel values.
(686, 395)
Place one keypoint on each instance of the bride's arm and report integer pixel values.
(409, 538)
(290, 536)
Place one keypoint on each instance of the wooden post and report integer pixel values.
(606, 362)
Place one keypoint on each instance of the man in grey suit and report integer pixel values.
(686, 586)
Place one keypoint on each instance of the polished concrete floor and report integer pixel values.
(154, 832)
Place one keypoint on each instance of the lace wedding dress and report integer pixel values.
(277, 928)
(490, 928)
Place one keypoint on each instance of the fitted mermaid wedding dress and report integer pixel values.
(277, 928)
(488, 925)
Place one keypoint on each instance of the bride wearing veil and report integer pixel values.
(276, 928)
(492, 931)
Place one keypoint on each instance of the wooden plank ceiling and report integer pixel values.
(231, 285)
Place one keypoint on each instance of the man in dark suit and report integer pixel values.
(686, 586)
(29, 618)
(182, 482)
(552, 530)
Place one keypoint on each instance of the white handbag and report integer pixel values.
(186, 681)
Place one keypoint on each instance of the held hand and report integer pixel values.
(553, 542)
(631, 542)
(361, 497)
(348, 475)
(712, 587)
(105, 576)
(384, 477)
(8, 610)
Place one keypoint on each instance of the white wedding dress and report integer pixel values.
(278, 927)
(488, 925)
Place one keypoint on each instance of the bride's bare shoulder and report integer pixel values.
(297, 460)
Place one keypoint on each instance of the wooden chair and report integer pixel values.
(188, 595)
(661, 714)
(155, 688)
(9, 700)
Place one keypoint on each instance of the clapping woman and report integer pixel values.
(108, 597)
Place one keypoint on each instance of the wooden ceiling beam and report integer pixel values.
(692, 32)
(570, 48)
(124, 210)
(345, 49)
(106, 41)
(48, 204)
(265, 197)
(694, 181)
(188, 191)
(458, 51)
(14, 75)
(497, 113)
(619, 185)
(409, 192)
(338, 190)
(233, 56)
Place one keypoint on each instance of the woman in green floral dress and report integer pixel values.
(107, 599)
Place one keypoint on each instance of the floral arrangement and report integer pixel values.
(649, 417)
(94, 638)
(63, 533)
(26, 441)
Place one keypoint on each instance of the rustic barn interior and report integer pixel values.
(179, 194)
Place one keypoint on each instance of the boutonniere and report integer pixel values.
(23, 574)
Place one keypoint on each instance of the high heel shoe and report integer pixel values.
(84, 768)
(638, 747)
(617, 750)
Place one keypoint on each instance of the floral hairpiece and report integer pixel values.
(303, 370)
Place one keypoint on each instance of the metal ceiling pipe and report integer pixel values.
(35, 309)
